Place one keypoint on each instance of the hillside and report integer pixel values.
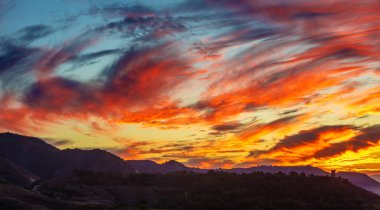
(46, 161)
(148, 166)
(362, 180)
(213, 190)
(18, 198)
(11, 173)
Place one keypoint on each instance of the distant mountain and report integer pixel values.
(11, 173)
(308, 170)
(148, 166)
(46, 161)
(95, 160)
(144, 166)
(361, 180)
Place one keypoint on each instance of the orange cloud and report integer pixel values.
(245, 58)
(320, 143)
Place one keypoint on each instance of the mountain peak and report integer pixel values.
(172, 162)
(172, 165)
(20, 138)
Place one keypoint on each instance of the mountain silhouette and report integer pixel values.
(30, 155)
(148, 166)
(46, 161)
(361, 180)
(36, 175)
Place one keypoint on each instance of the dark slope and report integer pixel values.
(30, 153)
(144, 166)
(11, 173)
(47, 161)
(151, 167)
(361, 180)
(95, 160)
(358, 178)
(18, 198)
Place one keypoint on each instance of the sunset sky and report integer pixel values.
(209, 83)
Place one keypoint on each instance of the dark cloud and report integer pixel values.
(140, 78)
(309, 15)
(34, 32)
(59, 142)
(216, 133)
(59, 95)
(123, 10)
(12, 54)
(368, 137)
(292, 111)
(254, 129)
(306, 137)
(93, 57)
(148, 28)
(230, 126)
(140, 22)
(53, 58)
(289, 146)
(16, 66)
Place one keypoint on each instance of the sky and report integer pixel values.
(209, 83)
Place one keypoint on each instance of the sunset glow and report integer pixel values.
(209, 83)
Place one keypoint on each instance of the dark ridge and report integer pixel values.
(148, 166)
(7, 136)
(47, 162)
(31, 153)
(10, 173)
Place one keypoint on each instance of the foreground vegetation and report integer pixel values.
(215, 190)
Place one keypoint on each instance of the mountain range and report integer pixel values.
(25, 160)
